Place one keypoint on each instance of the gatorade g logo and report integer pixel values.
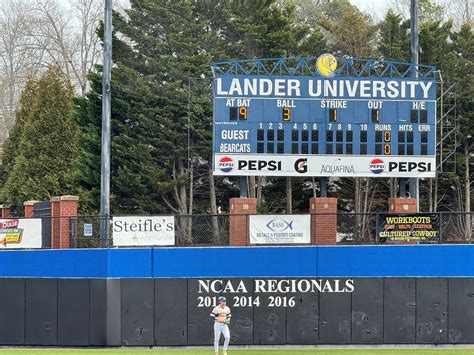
(301, 165)
(377, 166)
(226, 164)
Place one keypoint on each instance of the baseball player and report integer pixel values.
(221, 316)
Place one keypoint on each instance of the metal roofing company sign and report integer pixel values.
(280, 229)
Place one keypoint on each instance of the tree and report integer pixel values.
(463, 44)
(394, 41)
(427, 10)
(161, 91)
(435, 47)
(37, 33)
(68, 38)
(11, 147)
(160, 48)
(18, 59)
(85, 177)
(46, 141)
(354, 35)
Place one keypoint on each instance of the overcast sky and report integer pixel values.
(376, 8)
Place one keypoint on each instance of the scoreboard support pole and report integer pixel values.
(244, 187)
(402, 182)
(415, 191)
(323, 182)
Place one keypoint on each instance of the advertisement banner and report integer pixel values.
(20, 233)
(324, 165)
(280, 229)
(143, 231)
(414, 228)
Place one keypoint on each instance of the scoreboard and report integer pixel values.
(281, 125)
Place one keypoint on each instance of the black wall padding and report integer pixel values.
(461, 310)
(302, 320)
(431, 310)
(97, 312)
(367, 311)
(171, 318)
(175, 312)
(241, 307)
(200, 305)
(41, 311)
(73, 312)
(399, 310)
(12, 312)
(114, 312)
(138, 303)
(269, 322)
(335, 318)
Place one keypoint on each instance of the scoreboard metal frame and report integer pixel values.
(281, 117)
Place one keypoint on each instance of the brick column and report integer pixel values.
(240, 208)
(401, 205)
(68, 208)
(323, 220)
(4, 211)
(55, 222)
(62, 208)
(29, 208)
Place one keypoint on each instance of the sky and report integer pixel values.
(376, 8)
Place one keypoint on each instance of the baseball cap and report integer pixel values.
(222, 299)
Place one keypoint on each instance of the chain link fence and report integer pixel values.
(456, 227)
(362, 228)
(190, 230)
(213, 230)
(84, 232)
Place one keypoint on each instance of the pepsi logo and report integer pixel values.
(377, 166)
(226, 164)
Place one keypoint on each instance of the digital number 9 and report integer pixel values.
(243, 113)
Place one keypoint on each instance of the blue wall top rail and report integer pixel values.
(308, 261)
(306, 66)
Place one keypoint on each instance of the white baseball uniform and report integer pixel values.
(221, 326)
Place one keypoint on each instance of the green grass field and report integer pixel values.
(280, 351)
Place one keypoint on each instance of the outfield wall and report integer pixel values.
(278, 295)
(308, 261)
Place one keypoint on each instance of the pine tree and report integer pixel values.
(85, 177)
(435, 46)
(463, 45)
(11, 145)
(394, 41)
(47, 141)
(161, 96)
(354, 35)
